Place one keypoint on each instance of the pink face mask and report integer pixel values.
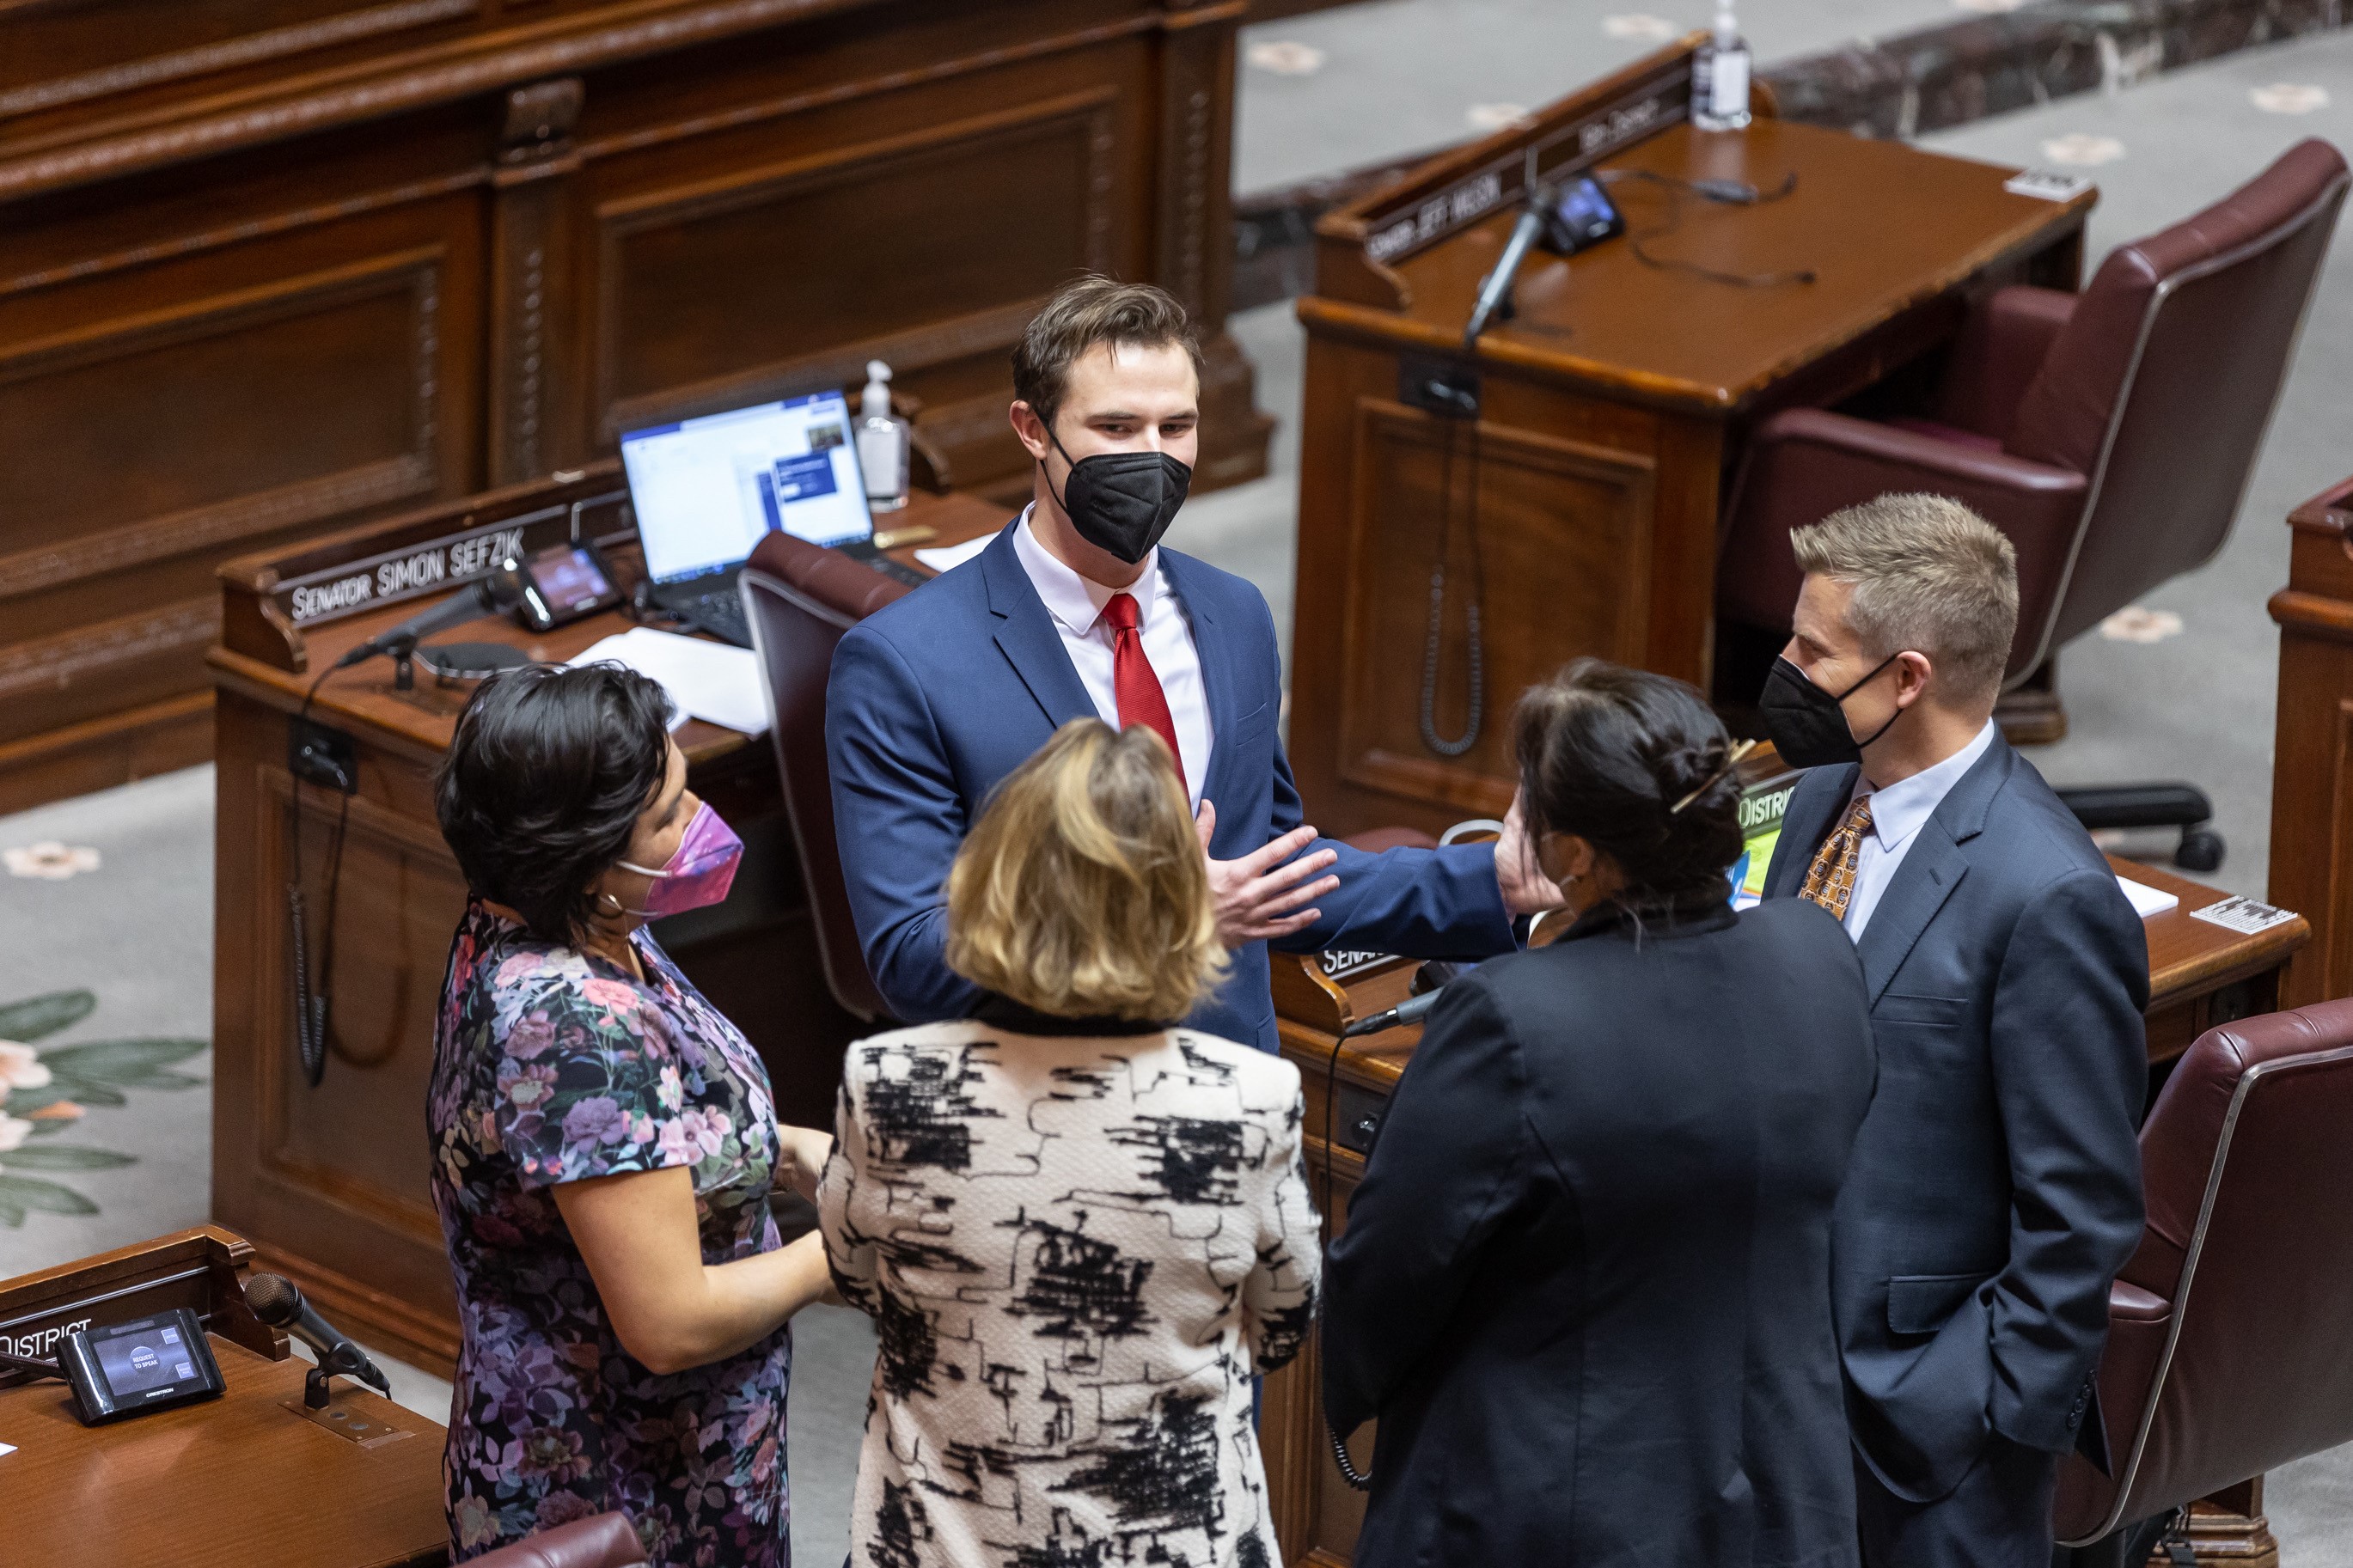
(699, 873)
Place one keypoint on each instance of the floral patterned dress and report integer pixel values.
(552, 1065)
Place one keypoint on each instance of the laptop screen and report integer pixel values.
(706, 489)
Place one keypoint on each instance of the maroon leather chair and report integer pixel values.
(2230, 1348)
(600, 1540)
(2110, 433)
(799, 598)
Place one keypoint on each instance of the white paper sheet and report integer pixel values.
(947, 557)
(708, 680)
(2147, 900)
(7, 1448)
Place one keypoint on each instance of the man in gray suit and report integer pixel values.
(1995, 1188)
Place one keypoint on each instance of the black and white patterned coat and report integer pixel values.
(1077, 1251)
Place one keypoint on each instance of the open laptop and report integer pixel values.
(705, 491)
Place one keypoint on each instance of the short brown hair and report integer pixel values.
(1083, 891)
(1928, 574)
(1093, 310)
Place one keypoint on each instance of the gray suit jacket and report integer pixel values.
(1995, 1188)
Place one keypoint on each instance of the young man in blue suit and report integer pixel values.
(1075, 611)
(1995, 1188)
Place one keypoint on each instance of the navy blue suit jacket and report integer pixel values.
(1995, 1189)
(934, 699)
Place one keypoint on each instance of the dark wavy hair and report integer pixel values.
(1605, 753)
(544, 784)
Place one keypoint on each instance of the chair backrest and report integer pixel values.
(799, 599)
(2231, 1349)
(2161, 386)
(599, 1540)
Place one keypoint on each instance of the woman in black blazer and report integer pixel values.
(1584, 1284)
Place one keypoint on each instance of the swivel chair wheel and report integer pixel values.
(2200, 850)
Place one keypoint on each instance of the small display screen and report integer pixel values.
(144, 1358)
(568, 579)
(1762, 807)
(1584, 212)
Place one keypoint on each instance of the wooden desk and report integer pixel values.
(331, 1183)
(2312, 767)
(2199, 976)
(1613, 410)
(223, 1484)
(271, 270)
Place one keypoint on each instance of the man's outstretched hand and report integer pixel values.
(1259, 895)
(1526, 889)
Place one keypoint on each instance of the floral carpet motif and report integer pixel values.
(46, 1098)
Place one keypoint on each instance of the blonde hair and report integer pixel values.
(1083, 891)
(1929, 575)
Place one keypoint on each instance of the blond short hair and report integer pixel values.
(1083, 891)
(1928, 574)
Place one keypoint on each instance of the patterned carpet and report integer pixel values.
(106, 916)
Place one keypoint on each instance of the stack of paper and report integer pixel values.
(708, 680)
(949, 557)
(2147, 900)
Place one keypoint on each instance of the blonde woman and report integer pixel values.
(1080, 1228)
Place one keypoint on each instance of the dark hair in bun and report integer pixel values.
(1605, 753)
(543, 782)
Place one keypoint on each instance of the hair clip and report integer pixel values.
(1731, 761)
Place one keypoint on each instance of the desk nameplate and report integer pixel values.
(1360, 244)
(1413, 220)
(416, 570)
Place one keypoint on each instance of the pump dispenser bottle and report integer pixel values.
(1720, 77)
(883, 442)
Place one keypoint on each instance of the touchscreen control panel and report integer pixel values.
(148, 1363)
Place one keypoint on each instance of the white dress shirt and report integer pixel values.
(1896, 814)
(1076, 606)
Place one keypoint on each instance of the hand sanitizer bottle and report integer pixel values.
(1720, 77)
(883, 442)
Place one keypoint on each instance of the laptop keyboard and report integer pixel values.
(719, 611)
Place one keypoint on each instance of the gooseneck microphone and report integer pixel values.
(492, 596)
(1498, 286)
(278, 1301)
(1409, 1011)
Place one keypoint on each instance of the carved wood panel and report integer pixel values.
(268, 266)
(362, 341)
(928, 246)
(64, 52)
(1553, 544)
(399, 897)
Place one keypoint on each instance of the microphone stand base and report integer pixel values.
(355, 1415)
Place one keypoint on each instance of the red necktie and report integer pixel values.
(1141, 700)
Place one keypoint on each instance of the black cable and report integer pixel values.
(1470, 736)
(1725, 193)
(1331, 1152)
(32, 1366)
(310, 1005)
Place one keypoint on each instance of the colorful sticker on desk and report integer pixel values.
(2047, 184)
(2242, 915)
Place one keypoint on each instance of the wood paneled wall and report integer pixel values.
(268, 266)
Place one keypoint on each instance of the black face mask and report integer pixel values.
(1808, 726)
(1122, 501)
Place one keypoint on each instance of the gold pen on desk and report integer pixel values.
(914, 534)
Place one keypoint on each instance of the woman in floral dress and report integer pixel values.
(604, 1146)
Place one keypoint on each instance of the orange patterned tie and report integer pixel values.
(1830, 880)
